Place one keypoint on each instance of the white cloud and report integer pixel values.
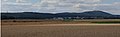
(63, 2)
(91, 1)
(5, 0)
(11, 3)
(19, 1)
(117, 3)
(61, 5)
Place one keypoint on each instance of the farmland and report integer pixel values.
(60, 28)
(41, 22)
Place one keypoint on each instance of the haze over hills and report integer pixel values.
(64, 15)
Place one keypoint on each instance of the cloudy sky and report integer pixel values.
(57, 6)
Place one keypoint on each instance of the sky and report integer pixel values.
(58, 6)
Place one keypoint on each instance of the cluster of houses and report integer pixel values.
(63, 18)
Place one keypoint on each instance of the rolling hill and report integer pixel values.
(64, 15)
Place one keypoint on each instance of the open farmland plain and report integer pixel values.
(58, 28)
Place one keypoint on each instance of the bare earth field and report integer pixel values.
(56, 29)
(61, 31)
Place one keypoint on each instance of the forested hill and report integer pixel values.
(64, 15)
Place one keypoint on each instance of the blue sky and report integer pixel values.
(57, 6)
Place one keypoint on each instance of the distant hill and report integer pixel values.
(87, 14)
(64, 15)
